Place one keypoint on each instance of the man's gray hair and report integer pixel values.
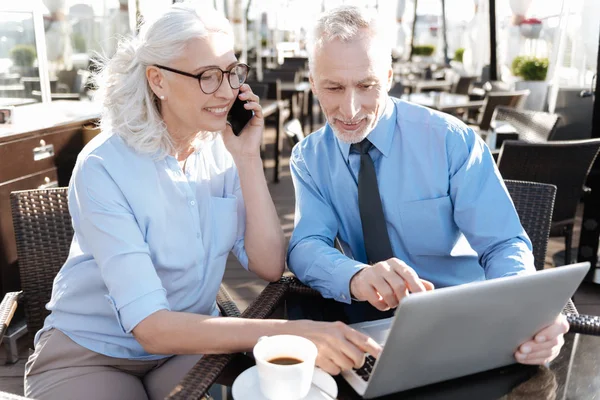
(131, 109)
(348, 23)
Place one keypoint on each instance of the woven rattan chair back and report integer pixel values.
(495, 99)
(534, 203)
(532, 126)
(563, 164)
(43, 231)
(462, 85)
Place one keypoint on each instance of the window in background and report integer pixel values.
(47, 46)
(19, 67)
(77, 31)
(579, 53)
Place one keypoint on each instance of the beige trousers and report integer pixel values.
(61, 369)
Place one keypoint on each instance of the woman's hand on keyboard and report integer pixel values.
(340, 347)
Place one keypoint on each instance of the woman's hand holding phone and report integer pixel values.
(247, 142)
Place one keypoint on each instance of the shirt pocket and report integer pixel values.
(225, 223)
(428, 226)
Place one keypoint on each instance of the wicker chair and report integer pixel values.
(44, 231)
(495, 99)
(462, 84)
(531, 126)
(534, 203)
(293, 131)
(564, 164)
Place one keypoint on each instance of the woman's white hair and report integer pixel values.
(130, 107)
(348, 23)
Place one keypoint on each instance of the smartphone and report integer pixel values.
(238, 116)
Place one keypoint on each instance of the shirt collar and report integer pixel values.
(383, 133)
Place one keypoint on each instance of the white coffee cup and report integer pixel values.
(285, 382)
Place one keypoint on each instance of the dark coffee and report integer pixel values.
(285, 361)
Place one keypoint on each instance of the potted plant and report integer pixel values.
(78, 43)
(424, 50)
(422, 55)
(534, 69)
(533, 72)
(458, 54)
(23, 56)
(515, 67)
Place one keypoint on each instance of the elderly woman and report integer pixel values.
(158, 201)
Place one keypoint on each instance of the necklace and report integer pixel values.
(183, 164)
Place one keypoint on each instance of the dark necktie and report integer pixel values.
(377, 241)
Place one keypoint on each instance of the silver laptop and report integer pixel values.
(461, 330)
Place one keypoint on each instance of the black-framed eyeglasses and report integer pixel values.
(211, 79)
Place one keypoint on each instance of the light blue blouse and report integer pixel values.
(147, 237)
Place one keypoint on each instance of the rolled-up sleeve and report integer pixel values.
(312, 256)
(483, 209)
(116, 240)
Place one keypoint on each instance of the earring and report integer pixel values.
(162, 97)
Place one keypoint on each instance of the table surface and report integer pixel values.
(442, 100)
(39, 116)
(425, 83)
(15, 101)
(12, 87)
(295, 86)
(575, 374)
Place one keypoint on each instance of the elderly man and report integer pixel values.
(412, 195)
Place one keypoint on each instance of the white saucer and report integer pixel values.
(246, 386)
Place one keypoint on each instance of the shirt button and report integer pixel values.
(192, 203)
(343, 297)
(198, 235)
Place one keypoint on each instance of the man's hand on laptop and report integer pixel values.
(385, 284)
(545, 345)
(339, 347)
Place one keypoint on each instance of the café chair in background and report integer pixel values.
(565, 164)
(293, 131)
(284, 75)
(531, 126)
(463, 84)
(493, 100)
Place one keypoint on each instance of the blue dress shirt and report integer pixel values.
(147, 237)
(448, 213)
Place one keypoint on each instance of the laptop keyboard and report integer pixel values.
(365, 371)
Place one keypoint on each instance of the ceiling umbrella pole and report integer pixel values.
(414, 28)
(444, 33)
(493, 47)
